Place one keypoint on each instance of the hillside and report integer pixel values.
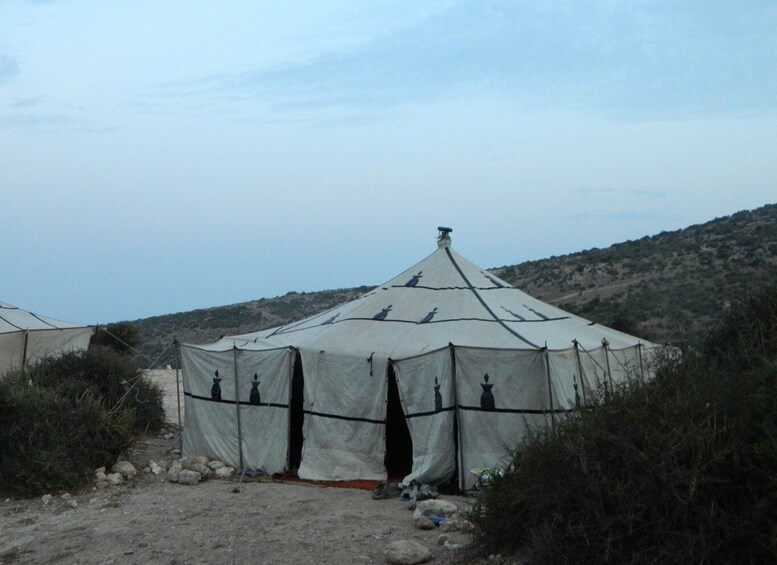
(666, 288)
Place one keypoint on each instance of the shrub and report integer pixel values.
(50, 442)
(676, 470)
(64, 417)
(122, 337)
(101, 371)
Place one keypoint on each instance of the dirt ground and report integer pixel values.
(151, 520)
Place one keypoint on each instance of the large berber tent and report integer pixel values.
(443, 367)
(26, 337)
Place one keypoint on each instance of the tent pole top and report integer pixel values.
(444, 236)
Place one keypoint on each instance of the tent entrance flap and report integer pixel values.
(399, 445)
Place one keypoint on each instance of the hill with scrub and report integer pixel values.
(667, 287)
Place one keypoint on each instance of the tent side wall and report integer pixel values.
(11, 351)
(241, 420)
(345, 416)
(15, 353)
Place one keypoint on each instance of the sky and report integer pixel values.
(158, 157)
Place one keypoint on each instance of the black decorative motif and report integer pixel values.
(496, 282)
(429, 316)
(487, 397)
(414, 281)
(517, 316)
(540, 314)
(255, 398)
(383, 313)
(215, 390)
(369, 360)
(331, 320)
(437, 396)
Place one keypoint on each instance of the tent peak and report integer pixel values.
(444, 237)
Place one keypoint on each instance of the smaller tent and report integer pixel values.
(26, 337)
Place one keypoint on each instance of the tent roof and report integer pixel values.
(443, 299)
(13, 319)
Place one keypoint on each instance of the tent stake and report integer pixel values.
(607, 358)
(459, 443)
(550, 387)
(178, 395)
(237, 408)
(580, 369)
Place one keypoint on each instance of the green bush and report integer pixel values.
(51, 443)
(680, 469)
(101, 371)
(64, 417)
(122, 337)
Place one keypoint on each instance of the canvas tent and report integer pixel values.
(467, 362)
(26, 337)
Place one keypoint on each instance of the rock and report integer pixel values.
(102, 484)
(174, 470)
(46, 498)
(442, 538)
(225, 472)
(196, 464)
(126, 468)
(114, 478)
(424, 523)
(215, 465)
(450, 546)
(72, 503)
(407, 552)
(188, 477)
(154, 468)
(435, 506)
(176, 451)
(100, 476)
(169, 436)
(99, 470)
(451, 524)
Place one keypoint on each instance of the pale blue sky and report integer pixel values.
(158, 157)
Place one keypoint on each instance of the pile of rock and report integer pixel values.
(193, 470)
(184, 471)
(428, 515)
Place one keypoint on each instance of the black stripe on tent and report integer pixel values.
(209, 399)
(453, 287)
(500, 321)
(346, 418)
(11, 323)
(45, 322)
(483, 302)
(515, 410)
(431, 412)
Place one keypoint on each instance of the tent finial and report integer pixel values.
(444, 237)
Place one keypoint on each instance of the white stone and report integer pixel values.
(424, 523)
(114, 478)
(126, 468)
(196, 464)
(407, 552)
(216, 464)
(450, 546)
(102, 484)
(99, 470)
(72, 503)
(46, 498)
(169, 436)
(100, 476)
(187, 477)
(174, 470)
(154, 467)
(225, 472)
(435, 506)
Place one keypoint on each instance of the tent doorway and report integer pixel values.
(399, 445)
(296, 415)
